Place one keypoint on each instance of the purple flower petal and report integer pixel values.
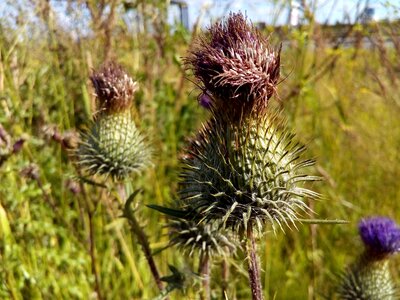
(380, 235)
(205, 101)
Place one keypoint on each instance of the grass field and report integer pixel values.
(342, 102)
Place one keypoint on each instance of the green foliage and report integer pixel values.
(343, 103)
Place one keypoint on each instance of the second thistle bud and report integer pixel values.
(369, 277)
(114, 146)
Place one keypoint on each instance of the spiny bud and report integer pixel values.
(369, 277)
(245, 176)
(195, 237)
(114, 146)
(237, 65)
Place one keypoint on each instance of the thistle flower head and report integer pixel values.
(369, 276)
(237, 65)
(246, 176)
(114, 146)
(114, 88)
(380, 235)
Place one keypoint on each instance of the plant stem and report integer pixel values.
(90, 211)
(93, 256)
(225, 277)
(204, 271)
(254, 267)
(144, 242)
(142, 238)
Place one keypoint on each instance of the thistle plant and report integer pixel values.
(195, 238)
(243, 170)
(203, 240)
(368, 278)
(114, 146)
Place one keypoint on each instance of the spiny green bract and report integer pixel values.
(114, 147)
(247, 174)
(368, 280)
(191, 236)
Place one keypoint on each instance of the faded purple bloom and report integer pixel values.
(70, 140)
(73, 186)
(237, 65)
(18, 145)
(31, 171)
(114, 88)
(205, 101)
(380, 235)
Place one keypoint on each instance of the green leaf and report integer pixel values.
(170, 211)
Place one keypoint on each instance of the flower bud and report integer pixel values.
(114, 146)
(195, 237)
(369, 277)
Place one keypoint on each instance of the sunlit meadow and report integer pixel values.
(65, 234)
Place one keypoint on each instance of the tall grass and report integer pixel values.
(348, 116)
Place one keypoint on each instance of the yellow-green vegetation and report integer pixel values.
(60, 229)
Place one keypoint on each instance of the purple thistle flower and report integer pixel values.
(380, 235)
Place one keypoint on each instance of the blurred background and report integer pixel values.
(340, 93)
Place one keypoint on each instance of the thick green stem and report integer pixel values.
(254, 267)
(204, 271)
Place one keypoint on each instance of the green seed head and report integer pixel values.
(114, 146)
(246, 175)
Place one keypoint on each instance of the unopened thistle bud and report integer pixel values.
(243, 168)
(114, 147)
(369, 277)
(194, 237)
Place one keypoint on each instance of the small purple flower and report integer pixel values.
(18, 145)
(205, 101)
(380, 235)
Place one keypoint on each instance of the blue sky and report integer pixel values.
(267, 11)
